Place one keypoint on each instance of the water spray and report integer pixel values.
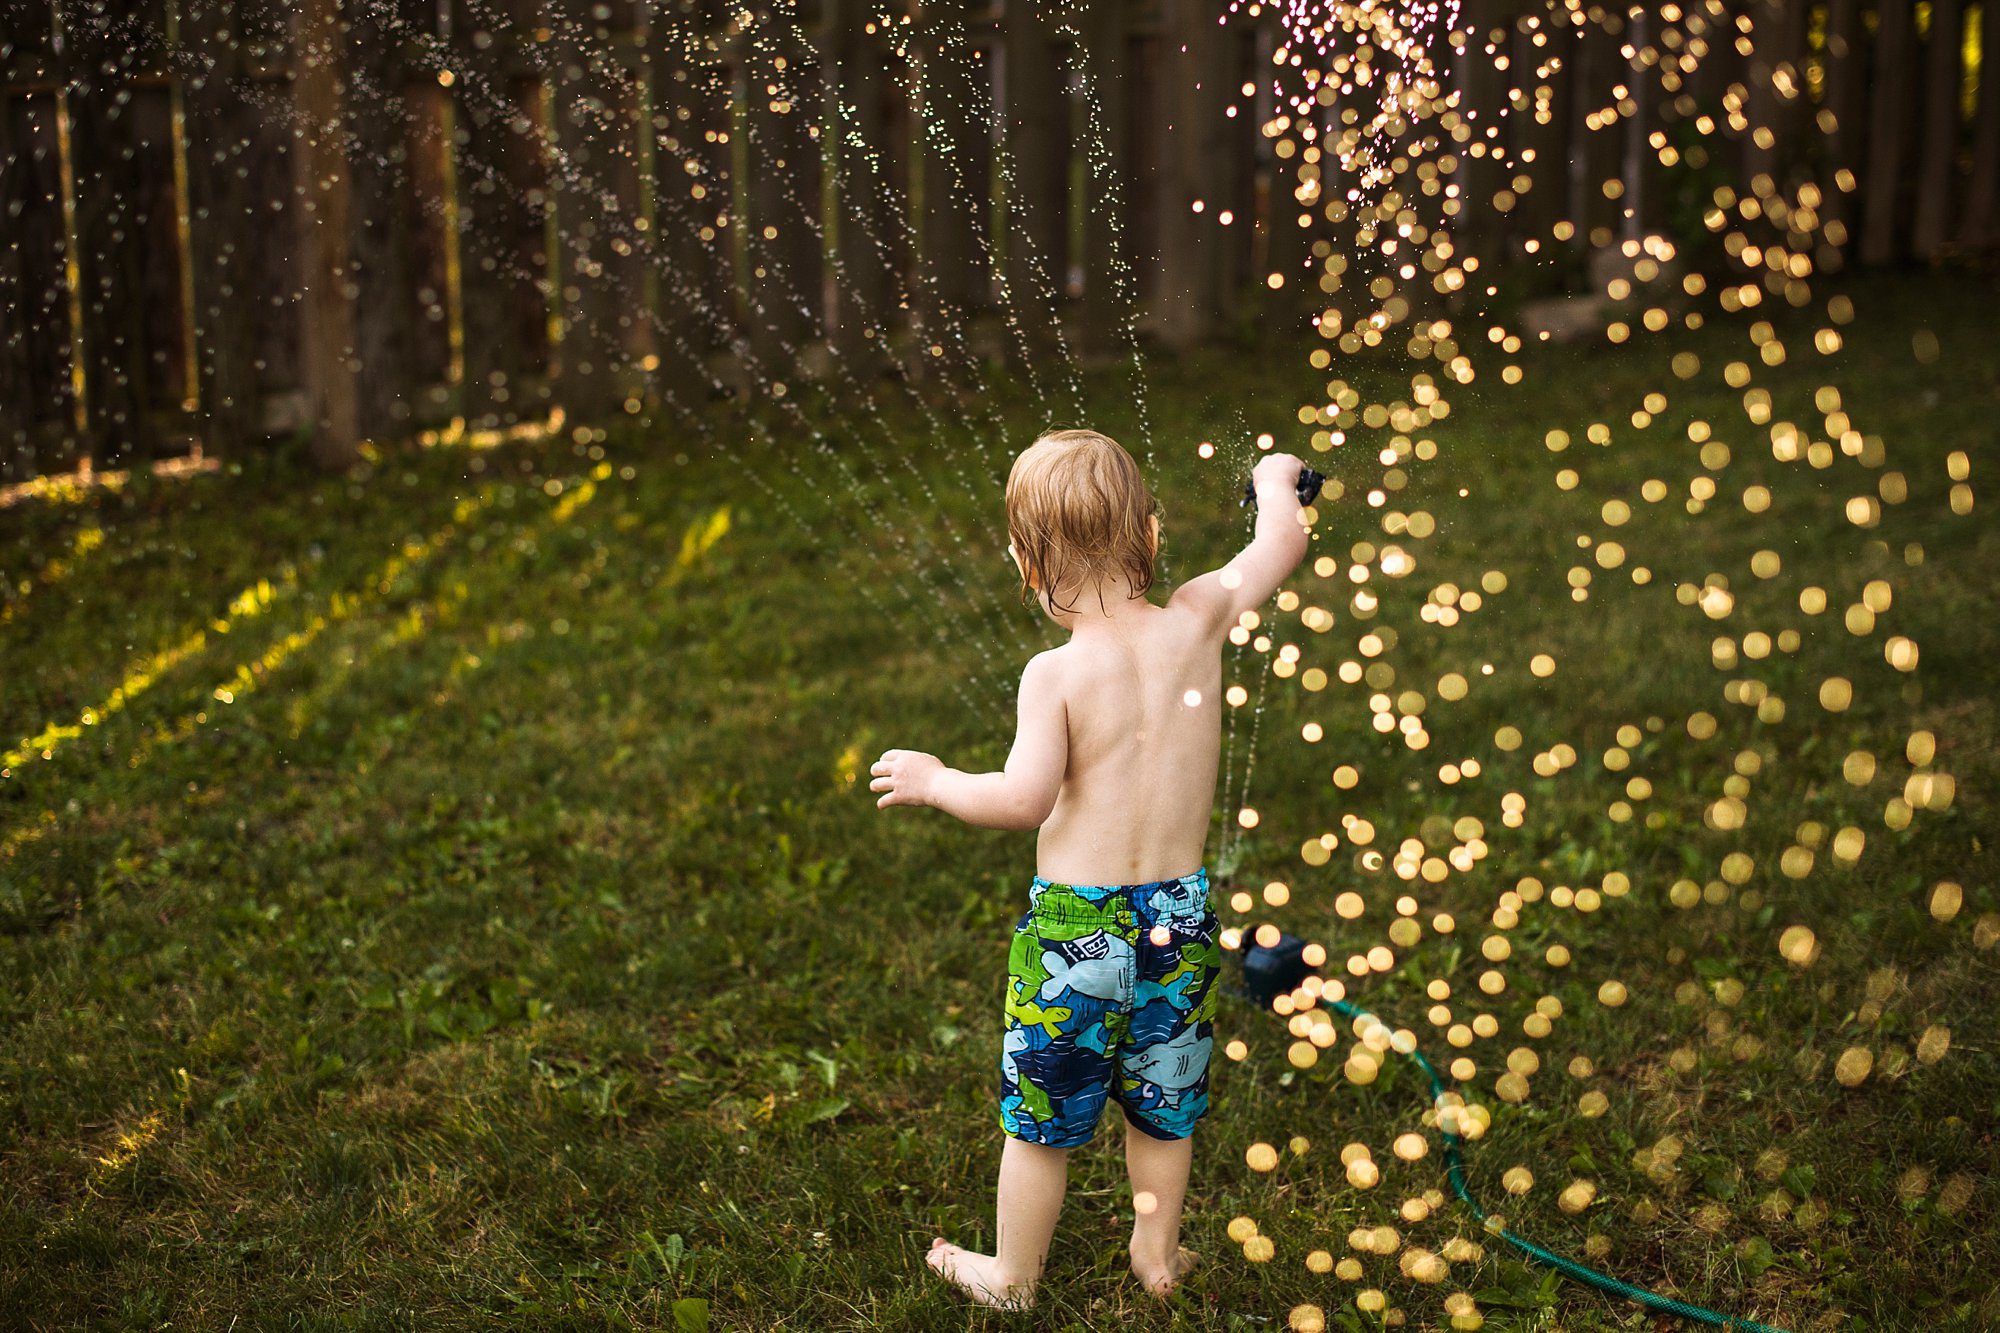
(1280, 968)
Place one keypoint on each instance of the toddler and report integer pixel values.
(1111, 972)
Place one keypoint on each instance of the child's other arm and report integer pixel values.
(1021, 795)
(1248, 581)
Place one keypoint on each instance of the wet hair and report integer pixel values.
(1078, 511)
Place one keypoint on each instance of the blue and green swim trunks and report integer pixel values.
(1110, 994)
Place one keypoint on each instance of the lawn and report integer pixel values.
(449, 894)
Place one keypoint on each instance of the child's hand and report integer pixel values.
(1280, 471)
(904, 777)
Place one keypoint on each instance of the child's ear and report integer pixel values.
(1156, 533)
(1015, 555)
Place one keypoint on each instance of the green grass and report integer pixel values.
(509, 940)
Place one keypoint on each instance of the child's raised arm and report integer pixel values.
(1223, 595)
(1018, 797)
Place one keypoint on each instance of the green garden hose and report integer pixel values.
(1454, 1166)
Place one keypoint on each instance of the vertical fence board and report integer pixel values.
(1035, 118)
(594, 89)
(1841, 100)
(1978, 229)
(36, 407)
(37, 396)
(13, 425)
(867, 230)
(1294, 192)
(402, 341)
(500, 183)
(1541, 128)
(1110, 187)
(1942, 130)
(1600, 154)
(1480, 85)
(1139, 153)
(1234, 141)
(978, 153)
(1185, 175)
(953, 276)
(225, 227)
(429, 241)
(123, 175)
(273, 266)
(325, 216)
(1776, 88)
(1639, 164)
(787, 279)
(692, 190)
(1888, 117)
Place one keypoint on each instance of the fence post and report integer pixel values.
(1941, 129)
(1108, 202)
(1542, 205)
(787, 279)
(500, 186)
(1287, 244)
(114, 207)
(1480, 85)
(402, 334)
(1595, 154)
(1177, 157)
(1887, 115)
(954, 278)
(324, 184)
(1234, 141)
(600, 269)
(1776, 89)
(866, 234)
(223, 229)
(1842, 100)
(1982, 192)
(694, 205)
(1036, 128)
(15, 446)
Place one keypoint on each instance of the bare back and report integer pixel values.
(1142, 694)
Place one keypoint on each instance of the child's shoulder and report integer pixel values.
(1048, 668)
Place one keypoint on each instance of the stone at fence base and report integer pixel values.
(815, 362)
(730, 375)
(1562, 319)
(1611, 262)
(283, 412)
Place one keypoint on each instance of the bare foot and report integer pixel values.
(979, 1277)
(1160, 1278)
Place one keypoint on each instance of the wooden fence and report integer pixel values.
(225, 221)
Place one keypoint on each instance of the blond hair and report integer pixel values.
(1078, 511)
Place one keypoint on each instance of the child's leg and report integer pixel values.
(1163, 1068)
(1032, 1181)
(1159, 1171)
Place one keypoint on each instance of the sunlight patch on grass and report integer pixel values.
(701, 535)
(246, 605)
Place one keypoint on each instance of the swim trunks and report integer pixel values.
(1110, 994)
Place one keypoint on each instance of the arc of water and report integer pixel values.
(746, 352)
(864, 393)
(923, 613)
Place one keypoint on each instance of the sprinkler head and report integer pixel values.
(1309, 484)
(1278, 970)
